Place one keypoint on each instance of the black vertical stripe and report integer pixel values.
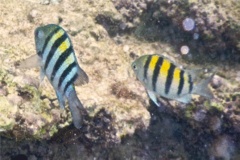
(146, 65)
(190, 83)
(55, 46)
(65, 73)
(47, 39)
(156, 72)
(181, 83)
(70, 82)
(169, 78)
(60, 61)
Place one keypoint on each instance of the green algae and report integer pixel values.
(7, 112)
(189, 111)
(217, 106)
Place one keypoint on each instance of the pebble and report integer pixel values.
(14, 99)
(215, 123)
(143, 6)
(32, 157)
(45, 2)
(3, 92)
(216, 82)
(184, 50)
(33, 13)
(126, 48)
(188, 24)
(238, 76)
(222, 148)
(195, 36)
(199, 115)
(122, 26)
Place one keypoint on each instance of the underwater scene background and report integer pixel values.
(121, 121)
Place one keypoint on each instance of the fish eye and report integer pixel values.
(134, 66)
(39, 34)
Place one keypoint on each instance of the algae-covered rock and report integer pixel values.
(215, 25)
(32, 109)
(8, 111)
(107, 36)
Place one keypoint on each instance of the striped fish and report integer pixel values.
(163, 78)
(56, 57)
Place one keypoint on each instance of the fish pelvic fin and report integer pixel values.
(76, 108)
(153, 97)
(82, 77)
(61, 99)
(202, 88)
(30, 62)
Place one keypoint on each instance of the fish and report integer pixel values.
(57, 61)
(163, 78)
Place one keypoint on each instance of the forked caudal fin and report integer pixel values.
(76, 109)
(202, 88)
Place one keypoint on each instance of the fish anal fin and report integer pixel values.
(30, 62)
(82, 77)
(185, 98)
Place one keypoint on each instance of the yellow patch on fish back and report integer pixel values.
(69, 60)
(153, 62)
(57, 35)
(64, 46)
(164, 68)
(176, 74)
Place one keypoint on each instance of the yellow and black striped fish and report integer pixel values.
(57, 60)
(163, 78)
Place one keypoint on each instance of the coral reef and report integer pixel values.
(214, 33)
(32, 110)
(107, 36)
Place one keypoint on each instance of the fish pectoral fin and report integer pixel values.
(42, 75)
(153, 97)
(82, 77)
(30, 62)
(186, 98)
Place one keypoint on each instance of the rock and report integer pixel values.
(15, 99)
(215, 124)
(222, 147)
(107, 36)
(33, 110)
(216, 82)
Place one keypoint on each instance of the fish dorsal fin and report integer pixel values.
(82, 77)
(195, 73)
(170, 59)
(199, 73)
(30, 62)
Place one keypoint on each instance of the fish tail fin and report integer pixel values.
(202, 88)
(77, 109)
